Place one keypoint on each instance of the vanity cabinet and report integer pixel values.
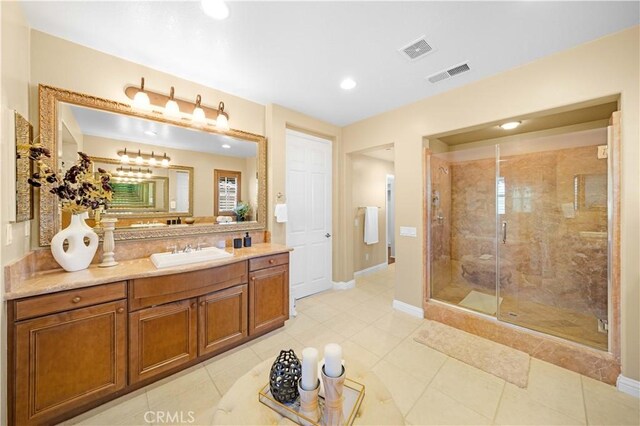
(161, 338)
(269, 290)
(222, 319)
(68, 359)
(73, 350)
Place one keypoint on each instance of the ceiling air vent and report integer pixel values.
(443, 75)
(416, 49)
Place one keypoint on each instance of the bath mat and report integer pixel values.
(477, 301)
(502, 361)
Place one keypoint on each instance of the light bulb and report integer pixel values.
(199, 116)
(120, 173)
(130, 173)
(139, 174)
(216, 9)
(141, 101)
(148, 175)
(222, 122)
(124, 157)
(164, 162)
(171, 109)
(152, 161)
(139, 159)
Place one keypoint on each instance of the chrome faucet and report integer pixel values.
(187, 248)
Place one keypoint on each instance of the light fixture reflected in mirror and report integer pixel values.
(143, 158)
(510, 125)
(171, 109)
(124, 158)
(199, 116)
(141, 99)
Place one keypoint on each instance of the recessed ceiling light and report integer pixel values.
(510, 125)
(226, 146)
(348, 84)
(150, 133)
(217, 9)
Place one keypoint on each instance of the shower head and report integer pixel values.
(444, 170)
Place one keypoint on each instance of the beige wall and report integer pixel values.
(607, 66)
(278, 119)
(369, 183)
(203, 166)
(14, 89)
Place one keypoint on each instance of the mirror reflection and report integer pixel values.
(162, 172)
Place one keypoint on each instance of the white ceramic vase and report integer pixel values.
(78, 255)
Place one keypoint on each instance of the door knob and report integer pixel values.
(327, 235)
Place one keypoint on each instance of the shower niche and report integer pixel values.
(519, 225)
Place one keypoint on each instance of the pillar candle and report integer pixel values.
(309, 379)
(333, 360)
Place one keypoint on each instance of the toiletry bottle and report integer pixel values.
(179, 221)
(247, 240)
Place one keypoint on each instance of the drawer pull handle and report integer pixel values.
(253, 278)
(76, 299)
(203, 303)
(193, 305)
(272, 261)
(120, 310)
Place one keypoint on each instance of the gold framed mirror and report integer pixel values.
(107, 131)
(24, 169)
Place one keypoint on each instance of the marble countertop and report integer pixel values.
(59, 280)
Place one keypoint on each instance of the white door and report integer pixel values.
(309, 211)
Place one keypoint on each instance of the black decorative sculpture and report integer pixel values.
(284, 376)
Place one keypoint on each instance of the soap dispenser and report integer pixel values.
(247, 240)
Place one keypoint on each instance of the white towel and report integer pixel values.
(371, 225)
(281, 213)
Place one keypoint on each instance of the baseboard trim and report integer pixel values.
(628, 386)
(371, 270)
(344, 285)
(408, 309)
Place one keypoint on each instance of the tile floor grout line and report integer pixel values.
(495, 414)
(584, 402)
(426, 388)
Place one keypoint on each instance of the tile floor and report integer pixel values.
(429, 387)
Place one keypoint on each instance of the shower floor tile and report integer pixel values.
(557, 321)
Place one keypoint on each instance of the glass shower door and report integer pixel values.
(551, 222)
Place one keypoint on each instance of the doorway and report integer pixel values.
(308, 197)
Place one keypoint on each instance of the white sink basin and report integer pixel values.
(168, 259)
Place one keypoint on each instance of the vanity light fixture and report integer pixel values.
(510, 125)
(222, 120)
(199, 116)
(171, 109)
(216, 9)
(141, 99)
(121, 171)
(142, 158)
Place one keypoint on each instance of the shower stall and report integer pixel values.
(520, 231)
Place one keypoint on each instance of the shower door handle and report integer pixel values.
(504, 232)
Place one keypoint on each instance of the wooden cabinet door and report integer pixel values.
(269, 298)
(161, 338)
(222, 319)
(69, 359)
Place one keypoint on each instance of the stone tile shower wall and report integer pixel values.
(548, 258)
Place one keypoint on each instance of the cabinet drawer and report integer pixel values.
(66, 300)
(152, 291)
(268, 261)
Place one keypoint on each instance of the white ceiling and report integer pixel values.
(296, 53)
(126, 128)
